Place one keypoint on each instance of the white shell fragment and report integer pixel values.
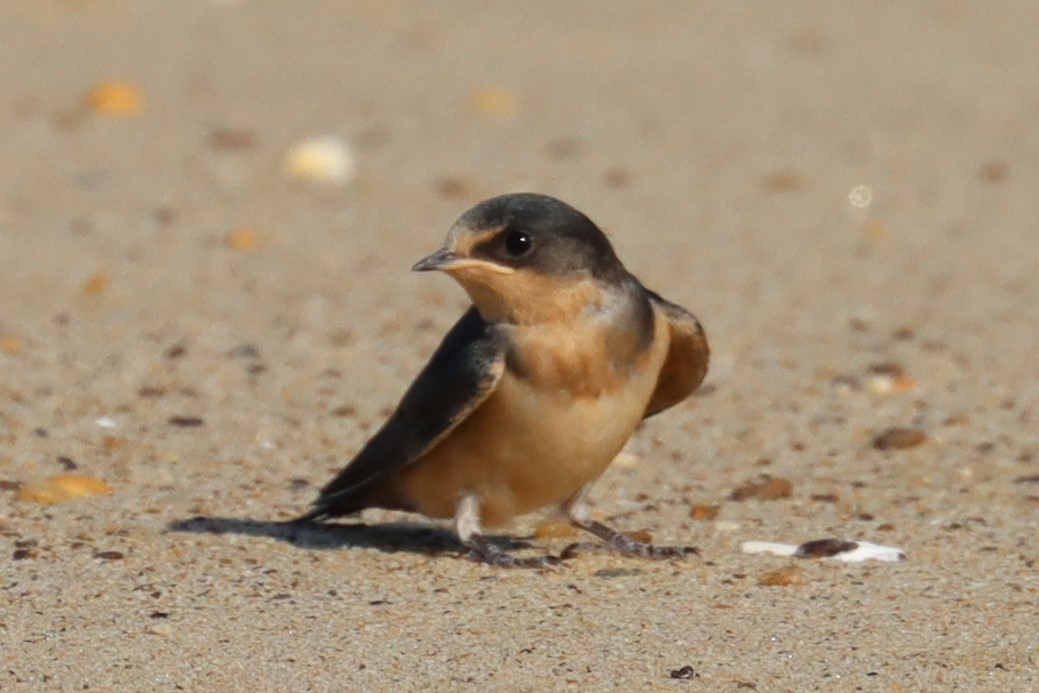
(768, 547)
(328, 159)
(844, 550)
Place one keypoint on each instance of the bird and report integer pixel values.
(535, 389)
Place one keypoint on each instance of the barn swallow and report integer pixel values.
(534, 390)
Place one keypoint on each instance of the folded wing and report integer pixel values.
(687, 357)
(461, 374)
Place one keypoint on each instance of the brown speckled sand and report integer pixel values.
(845, 193)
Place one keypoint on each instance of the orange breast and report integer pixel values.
(552, 426)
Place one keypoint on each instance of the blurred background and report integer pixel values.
(180, 168)
(208, 209)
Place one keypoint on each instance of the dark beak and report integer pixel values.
(437, 261)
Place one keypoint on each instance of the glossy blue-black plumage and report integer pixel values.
(459, 376)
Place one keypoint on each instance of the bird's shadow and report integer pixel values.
(389, 537)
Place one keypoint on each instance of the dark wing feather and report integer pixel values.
(686, 363)
(461, 374)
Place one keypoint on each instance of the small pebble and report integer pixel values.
(703, 512)
(243, 238)
(685, 673)
(887, 383)
(175, 351)
(10, 344)
(783, 182)
(825, 548)
(97, 283)
(610, 573)
(186, 421)
(161, 628)
(115, 99)
(112, 442)
(875, 230)
(453, 187)
(232, 139)
(783, 577)
(109, 555)
(766, 489)
(825, 497)
(326, 159)
(562, 148)
(993, 172)
(899, 439)
(616, 177)
(62, 487)
(493, 102)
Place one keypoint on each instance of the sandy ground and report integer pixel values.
(844, 193)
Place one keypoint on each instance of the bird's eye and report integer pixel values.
(518, 243)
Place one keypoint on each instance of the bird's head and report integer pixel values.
(526, 258)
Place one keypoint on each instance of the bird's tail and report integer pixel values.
(335, 502)
(316, 513)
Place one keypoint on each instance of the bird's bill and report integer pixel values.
(449, 261)
(439, 260)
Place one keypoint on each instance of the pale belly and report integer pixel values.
(525, 448)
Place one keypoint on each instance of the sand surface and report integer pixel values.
(844, 193)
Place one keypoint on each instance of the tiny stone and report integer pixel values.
(783, 577)
(186, 421)
(703, 512)
(244, 351)
(232, 139)
(824, 548)
(993, 172)
(686, 672)
(899, 439)
(175, 351)
(109, 555)
(564, 148)
(825, 497)
(610, 573)
(161, 628)
(766, 489)
(783, 182)
(452, 187)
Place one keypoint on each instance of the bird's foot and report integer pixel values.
(620, 543)
(483, 551)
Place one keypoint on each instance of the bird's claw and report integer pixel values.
(619, 543)
(631, 547)
(482, 551)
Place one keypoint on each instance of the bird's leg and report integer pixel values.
(614, 541)
(467, 526)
